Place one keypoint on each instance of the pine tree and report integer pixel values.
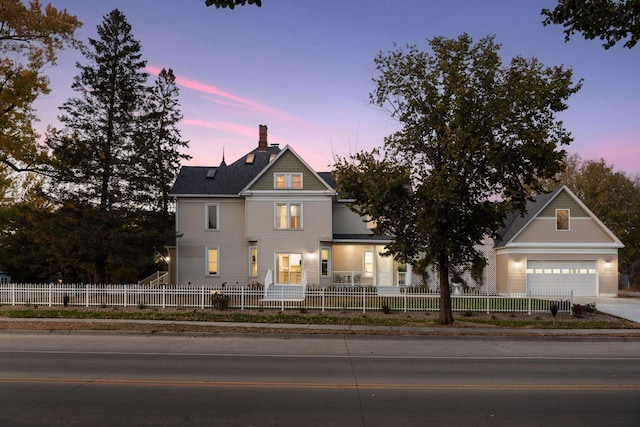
(159, 143)
(93, 156)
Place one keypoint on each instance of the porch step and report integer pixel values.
(284, 293)
(388, 291)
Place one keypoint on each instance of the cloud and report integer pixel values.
(220, 96)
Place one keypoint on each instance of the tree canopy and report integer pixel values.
(609, 20)
(221, 4)
(29, 41)
(475, 137)
(613, 197)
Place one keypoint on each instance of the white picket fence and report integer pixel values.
(252, 297)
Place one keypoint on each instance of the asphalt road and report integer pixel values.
(252, 380)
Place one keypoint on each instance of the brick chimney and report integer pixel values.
(262, 141)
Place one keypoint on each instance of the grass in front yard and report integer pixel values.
(311, 317)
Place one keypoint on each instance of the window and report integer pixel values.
(325, 255)
(250, 158)
(211, 220)
(253, 261)
(287, 180)
(562, 219)
(213, 262)
(288, 216)
(368, 263)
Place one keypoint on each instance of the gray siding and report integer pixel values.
(288, 162)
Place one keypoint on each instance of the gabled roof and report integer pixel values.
(275, 160)
(515, 223)
(224, 180)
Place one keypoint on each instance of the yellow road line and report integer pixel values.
(305, 385)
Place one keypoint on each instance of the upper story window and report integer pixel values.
(288, 216)
(287, 180)
(212, 216)
(562, 219)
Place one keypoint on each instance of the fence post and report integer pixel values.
(404, 301)
(50, 292)
(202, 305)
(124, 289)
(571, 302)
(323, 289)
(364, 300)
(86, 294)
(13, 294)
(529, 302)
(242, 298)
(164, 296)
(282, 297)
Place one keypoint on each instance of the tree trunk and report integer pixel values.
(446, 315)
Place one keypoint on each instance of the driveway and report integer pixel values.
(627, 305)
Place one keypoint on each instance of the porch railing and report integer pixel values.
(252, 297)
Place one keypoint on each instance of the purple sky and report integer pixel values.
(304, 69)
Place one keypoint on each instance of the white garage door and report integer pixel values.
(579, 276)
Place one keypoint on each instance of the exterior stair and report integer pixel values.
(284, 293)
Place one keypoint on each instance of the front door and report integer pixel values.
(289, 268)
(385, 273)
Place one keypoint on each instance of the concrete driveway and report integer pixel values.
(627, 305)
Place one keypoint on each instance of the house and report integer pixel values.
(269, 218)
(559, 244)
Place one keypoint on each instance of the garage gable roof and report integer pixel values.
(516, 223)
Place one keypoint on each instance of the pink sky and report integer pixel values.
(304, 69)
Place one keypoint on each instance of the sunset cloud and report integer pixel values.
(220, 96)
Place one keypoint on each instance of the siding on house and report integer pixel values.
(194, 239)
(288, 162)
(345, 221)
(564, 201)
(582, 230)
(316, 228)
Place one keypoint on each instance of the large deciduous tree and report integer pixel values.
(609, 20)
(476, 136)
(30, 39)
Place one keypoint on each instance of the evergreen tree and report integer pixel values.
(159, 144)
(94, 156)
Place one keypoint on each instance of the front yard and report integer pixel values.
(204, 320)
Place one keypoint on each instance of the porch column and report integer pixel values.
(408, 278)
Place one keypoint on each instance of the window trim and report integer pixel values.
(276, 224)
(206, 216)
(207, 273)
(328, 261)
(568, 219)
(287, 180)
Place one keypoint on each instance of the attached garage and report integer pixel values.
(579, 276)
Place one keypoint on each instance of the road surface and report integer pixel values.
(252, 380)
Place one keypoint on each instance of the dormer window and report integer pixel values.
(287, 180)
(250, 158)
(562, 219)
